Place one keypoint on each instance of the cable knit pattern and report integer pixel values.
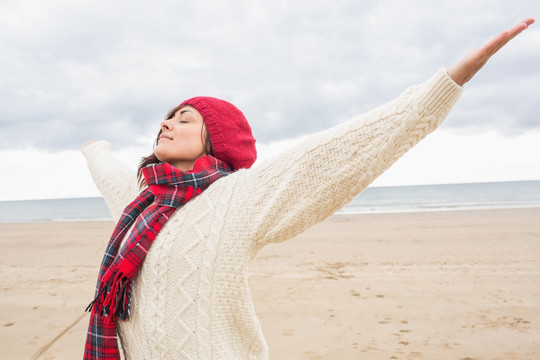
(191, 298)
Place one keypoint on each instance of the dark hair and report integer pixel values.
(152, 158)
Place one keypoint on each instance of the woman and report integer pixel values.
(179, 277)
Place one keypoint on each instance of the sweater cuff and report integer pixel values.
(441, 94)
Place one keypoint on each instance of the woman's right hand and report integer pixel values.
(89, 142)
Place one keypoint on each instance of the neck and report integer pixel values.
(184, 165)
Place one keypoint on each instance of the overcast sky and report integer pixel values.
(74, 70)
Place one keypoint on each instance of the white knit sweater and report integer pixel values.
(191, 298)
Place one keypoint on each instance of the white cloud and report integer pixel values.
(79, 67)
(110, 70)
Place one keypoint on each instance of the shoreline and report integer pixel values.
(336, 215)
(447, 285)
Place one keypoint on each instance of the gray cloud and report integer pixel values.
(77, 70)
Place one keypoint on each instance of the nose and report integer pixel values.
(165, 125)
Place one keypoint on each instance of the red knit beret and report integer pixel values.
(229, 131)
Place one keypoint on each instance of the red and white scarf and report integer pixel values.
(168, 188)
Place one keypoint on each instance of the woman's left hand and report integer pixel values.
(463, 71)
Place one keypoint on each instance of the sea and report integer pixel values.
(394, 199)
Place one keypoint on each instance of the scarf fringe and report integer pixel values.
(113, 299)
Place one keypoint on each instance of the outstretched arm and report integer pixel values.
(114, 179)
(314, 179)
(463, 71)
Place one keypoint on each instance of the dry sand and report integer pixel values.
(446, 285)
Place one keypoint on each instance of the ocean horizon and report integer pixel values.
(384, 199)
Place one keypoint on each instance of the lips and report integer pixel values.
(163, 136)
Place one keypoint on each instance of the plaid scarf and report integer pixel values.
(168, 188)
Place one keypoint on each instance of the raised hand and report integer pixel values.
(463, 71)
(89, 142)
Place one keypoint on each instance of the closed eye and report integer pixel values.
(182, 112)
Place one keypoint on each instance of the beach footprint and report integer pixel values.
(288, 332)
(312, 355)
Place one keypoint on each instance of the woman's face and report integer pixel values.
(181, 140)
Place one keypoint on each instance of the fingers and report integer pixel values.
(519, 27)
(466, 68)
(89, 142)
(528, 21)
(495, 44)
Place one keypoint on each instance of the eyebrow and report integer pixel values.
(181, 112)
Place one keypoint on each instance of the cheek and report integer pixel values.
(192, 139)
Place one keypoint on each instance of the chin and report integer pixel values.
(160, 156)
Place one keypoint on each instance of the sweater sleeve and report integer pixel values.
(316, 178)
(114, 179)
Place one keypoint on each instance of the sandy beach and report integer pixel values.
(440, 285)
